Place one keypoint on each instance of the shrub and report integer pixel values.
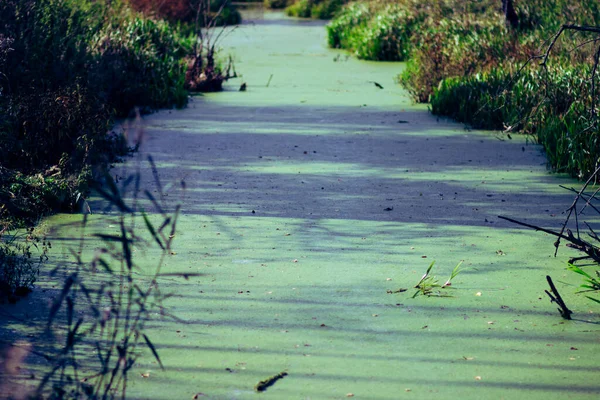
(64, 124)
(387, 36)
(127, 59)
(340, 30)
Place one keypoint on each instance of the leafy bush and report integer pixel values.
(374, 31)
(340, 30)
(64, 124)
(387, 36)
(466, 67)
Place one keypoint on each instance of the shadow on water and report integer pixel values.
(300, 217)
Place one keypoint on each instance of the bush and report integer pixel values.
(340, 31)
(375, 31)
(63, 124)
(463, 58)
(58, 42)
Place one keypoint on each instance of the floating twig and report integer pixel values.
(270, 381)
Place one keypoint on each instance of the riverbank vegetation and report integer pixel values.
(318, 9)
(486, 65)
(68, 68)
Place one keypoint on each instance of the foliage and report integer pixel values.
(25, 198)
(187, 11)
(139, 62)
(553, 105)
(590, 283)
(107, 302)
(277, 4)
(67, 68)
(549, 15)
(459, 48)
(318, 9)
(340, 30)
(376, 31)
(429, 285)
(465, 59)
(19, 268)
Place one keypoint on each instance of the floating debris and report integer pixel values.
(263, 385)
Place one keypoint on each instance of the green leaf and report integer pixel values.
(579, 271)
(430, 267)
(593, 299)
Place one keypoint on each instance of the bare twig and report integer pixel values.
(555, 297)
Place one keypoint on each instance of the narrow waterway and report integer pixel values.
(315, 192)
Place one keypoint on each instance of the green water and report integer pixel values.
(300, 284)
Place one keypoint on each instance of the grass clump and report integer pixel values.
(429, 285)
(19, 266)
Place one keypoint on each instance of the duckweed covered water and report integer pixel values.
(309, 199)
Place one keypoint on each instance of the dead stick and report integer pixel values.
(537, 228)
(563, 310)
